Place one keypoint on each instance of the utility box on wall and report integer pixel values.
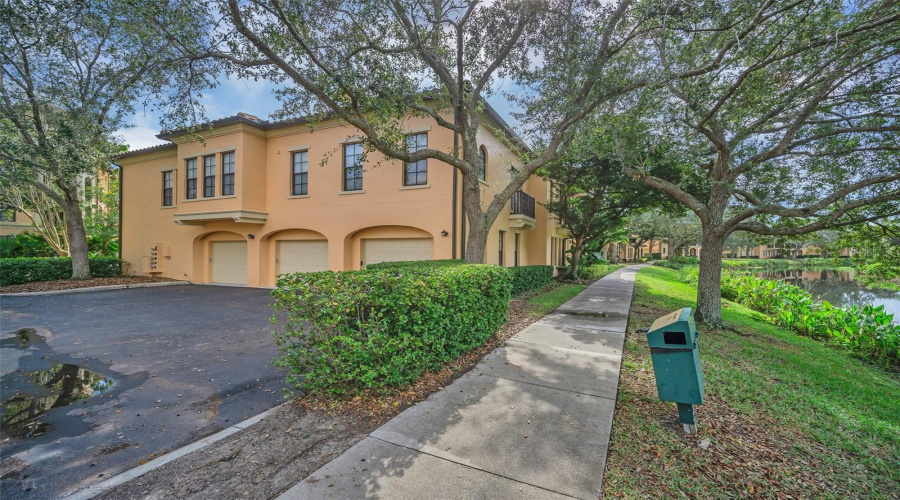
(676, 363)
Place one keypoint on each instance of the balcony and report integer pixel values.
(521, 211)
(239, 216)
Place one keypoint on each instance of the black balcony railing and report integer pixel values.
(522, 204)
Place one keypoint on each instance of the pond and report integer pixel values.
(837, 287)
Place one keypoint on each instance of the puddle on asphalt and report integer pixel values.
(30, 395)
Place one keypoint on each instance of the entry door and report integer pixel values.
(302, 256)
(229, 262)
(395, 249)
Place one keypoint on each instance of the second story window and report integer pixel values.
(300, 174)
(353, 168)
(482, 163)
(8, 215)
(168, 188)
(209, 176)
(416, 172)
(190, 191)
(227, 174)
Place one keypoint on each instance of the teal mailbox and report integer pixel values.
(676, 363)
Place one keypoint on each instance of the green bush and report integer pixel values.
(678, 262)
(25, 245)
(526, 278)
(866, 329)
(26, 270)
(416, 264)
(594, 272)
(523, 278)
(345, 331)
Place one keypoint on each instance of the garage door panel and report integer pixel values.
(377, 250)
(229, 262)
(302, 256)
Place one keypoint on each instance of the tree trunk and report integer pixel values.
(78, 247)
(577, 248)
(671, 249)
(476, 239)
(709, 285)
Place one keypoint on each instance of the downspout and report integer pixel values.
(455, 189)
(121, 205)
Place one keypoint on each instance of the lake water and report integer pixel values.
(837, 287)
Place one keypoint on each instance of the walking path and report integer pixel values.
(532, 420)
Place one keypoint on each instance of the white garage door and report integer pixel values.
(229, 262)
(302, 256)
(394, 249)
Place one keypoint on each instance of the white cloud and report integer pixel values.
(140, 137)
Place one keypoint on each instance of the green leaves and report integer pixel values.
(526, 278)
(26, 270)
(346, 331)
(866, 329)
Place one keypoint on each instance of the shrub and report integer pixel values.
(25, 245)
(26, 270)
(655, 255)
(594, 272)
(416, 264)
(867, 329)
(526, 278)
(523, 278)
(346, 331)
(689, 274)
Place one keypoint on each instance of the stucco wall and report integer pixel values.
(385, 208)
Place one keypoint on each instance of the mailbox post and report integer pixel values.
(676, 363)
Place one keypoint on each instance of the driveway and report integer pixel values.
(134, 373)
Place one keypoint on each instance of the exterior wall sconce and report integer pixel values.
(250, 236)
(444, 233)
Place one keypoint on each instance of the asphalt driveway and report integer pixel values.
(127, 375)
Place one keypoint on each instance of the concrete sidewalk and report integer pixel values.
(532, 420)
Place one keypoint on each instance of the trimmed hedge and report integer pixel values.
(415, 264)
(347, 331)
(523, 278)
(595, 272)
(526, 278)
(26, 270)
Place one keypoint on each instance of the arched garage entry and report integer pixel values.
(221, 257)
(387, 244)
(292, 251)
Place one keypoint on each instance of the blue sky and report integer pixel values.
(246, 96)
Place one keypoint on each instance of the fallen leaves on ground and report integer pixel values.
(740, 456)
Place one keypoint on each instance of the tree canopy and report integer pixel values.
(788, 111)
(372, 62)
(72, 71)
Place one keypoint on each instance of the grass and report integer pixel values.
(544, 302)
(784, 415)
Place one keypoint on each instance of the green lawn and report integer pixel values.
(784, 415)
(543, 303)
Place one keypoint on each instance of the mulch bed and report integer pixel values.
(49, 286)
(301, 436)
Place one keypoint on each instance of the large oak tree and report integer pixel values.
(371, 62)
(789, 110)
(72, 72)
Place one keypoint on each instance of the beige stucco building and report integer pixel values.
(13, 222)
(255, 199)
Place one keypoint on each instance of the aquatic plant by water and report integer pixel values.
(868, 329)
